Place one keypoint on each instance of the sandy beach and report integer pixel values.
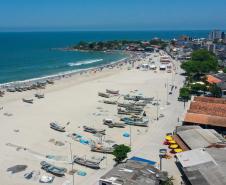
(27, 138)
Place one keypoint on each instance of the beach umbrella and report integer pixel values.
(173, 146)
(169, 138)
(172, 142)
(178, 150)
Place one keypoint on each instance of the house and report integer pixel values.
(207, 112)
(220, 80)
(203, 166)
(193, 137)
(135, 171)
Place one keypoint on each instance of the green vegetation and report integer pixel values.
(119, 45)
(198, 87)
(169, 181)
(201, 63)
(185, 93)
(120, 153)
(224, 70)
(216, 91)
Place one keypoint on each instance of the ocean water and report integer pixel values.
(27, 55)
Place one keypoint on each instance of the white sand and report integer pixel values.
(75, 99)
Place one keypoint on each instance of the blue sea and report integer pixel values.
(28, 55)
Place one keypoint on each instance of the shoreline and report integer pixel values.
(76, 100)
(61, 75)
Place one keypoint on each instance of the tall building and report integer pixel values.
(215, 35)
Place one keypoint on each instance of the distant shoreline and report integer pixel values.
(60, 75)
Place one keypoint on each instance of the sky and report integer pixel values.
(112, 14)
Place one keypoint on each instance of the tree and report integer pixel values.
(198, 87)
(185, 93)
(216, 91)
(203, 55)
(120, 153)
(169, 181)
(224, 70)
(202, 62)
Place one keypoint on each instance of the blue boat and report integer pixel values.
(136, 121)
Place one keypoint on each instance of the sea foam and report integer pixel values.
(84, 62)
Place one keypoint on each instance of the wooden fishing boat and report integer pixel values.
(105, 95)
(27, 100)
(58, 171)
(57, 127)
(136, 121)
(114, 92)
(86, 162)
(110, 102)
(93, 130)
(39, 95)
(137, 97)
(111, 124)
(129, 112)
(102, 149)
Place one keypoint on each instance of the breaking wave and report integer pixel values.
(84, 62)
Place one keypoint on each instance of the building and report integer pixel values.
(134, 172)
(208, 113)
(203, 166)
(193, 137)
(220, 80)
(215, 35)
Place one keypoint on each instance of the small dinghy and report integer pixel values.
(27, 100)
(57, 127)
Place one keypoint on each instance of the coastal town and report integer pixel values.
(156, 117)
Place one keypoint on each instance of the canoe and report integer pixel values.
(110, 91)
(105, 95)
(39, 96)
(85, 162)
(58, 171)
(93, 130)
(57, 127)
(27, 100)
(136, 121)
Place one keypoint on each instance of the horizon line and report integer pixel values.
(100, 30)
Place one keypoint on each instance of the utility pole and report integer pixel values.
(72, 164)
(157, 111)
(167, 92)
(130, 138)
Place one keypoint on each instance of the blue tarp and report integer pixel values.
(138, 159)
(126, 134)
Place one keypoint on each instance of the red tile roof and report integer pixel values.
(214, 109)
(204, 119)
(211, 79)
(210, 99)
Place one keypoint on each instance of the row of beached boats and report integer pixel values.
(134, 106)
(38, 85)
(2, 93)
(109, 93)
(132, 109)
(31, 100)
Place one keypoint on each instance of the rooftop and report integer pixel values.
(207, 111)
(133, 173)
(205, 137)
(215, 109)
(212, 79)
(204, 166)
(210, 99)
(204, 119)
(221, 76)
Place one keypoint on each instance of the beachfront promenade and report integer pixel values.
(75, 99)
